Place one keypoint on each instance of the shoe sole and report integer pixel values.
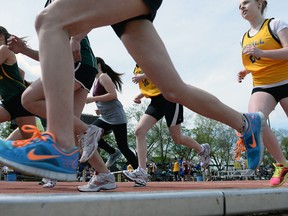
(261, 144)
(110, 186)
(139, 185)
(140, 182)
(39, 172)
(285, 179)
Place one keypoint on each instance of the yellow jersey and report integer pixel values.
(147, 88)
(264, 71)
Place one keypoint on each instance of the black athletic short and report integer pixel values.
(15, 108)
(278, 92)
(85, 75)
(153, 5)
(160, 107)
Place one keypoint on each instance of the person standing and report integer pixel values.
(176, 170)
(264, 56)
(132, 22)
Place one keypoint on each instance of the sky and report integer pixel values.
(202, 38)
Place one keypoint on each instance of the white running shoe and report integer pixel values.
(205, 155)
(137, 176)
(113, 158)
(51, 183)
(43, 181)
(102, 181)
(88, 142)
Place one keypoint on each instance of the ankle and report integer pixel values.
(244, 126)
(142, 169)
(285, 163)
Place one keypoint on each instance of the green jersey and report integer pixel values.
(87, 55)
(11, 82)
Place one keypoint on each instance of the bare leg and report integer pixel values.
(264, 102)
(33, 99)
(144, 125)
(28, 120)
(179, 138)
(60, 20)
(146, 47)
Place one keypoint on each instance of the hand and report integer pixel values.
(137, 78)
(76, 49)
(137, 100)
(90, 100)
(15, 44)
(252, 50)
(241, 75)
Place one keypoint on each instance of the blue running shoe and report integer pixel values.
(253, 139)
(40, 156)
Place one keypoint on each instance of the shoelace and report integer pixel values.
(36, 135)
(239, 147)
(92, 179)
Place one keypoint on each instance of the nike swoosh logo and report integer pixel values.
(253, 144)
(32, 156)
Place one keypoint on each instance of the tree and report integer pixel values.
(220, 137)
(5, 129)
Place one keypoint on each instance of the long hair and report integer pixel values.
(5, 33)
(115, 77)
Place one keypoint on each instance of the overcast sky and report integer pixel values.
(202, 37)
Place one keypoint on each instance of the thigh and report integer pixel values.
(104, 125)
(79, 16)
(262, 101)
(284, 105)
(4, 114)
(33, 92)
(147, 49)
(145, 123)
(80, 96)
(120, 133)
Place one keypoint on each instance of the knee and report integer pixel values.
(139, 132)
(26, 101)
(170, 96)
(43, 20)
(177, 139)
(39, 21)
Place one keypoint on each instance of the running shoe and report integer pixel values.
(102, 181)
(40, 156)
(205, 155)
(113, 158)
(280, 175)
(252, 139)
(88, 142)
(137, 176)
(43, 181)
(51, 183)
